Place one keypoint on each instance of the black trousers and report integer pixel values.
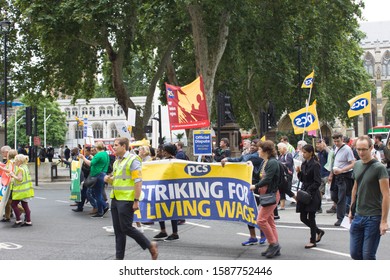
(309, 219)
(122, 219)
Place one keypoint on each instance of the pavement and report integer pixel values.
(288, 217)
(324, 220)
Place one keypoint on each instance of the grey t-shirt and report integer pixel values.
(343, 156)
(369, 199)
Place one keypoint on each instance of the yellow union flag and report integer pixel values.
(360, 104)
(305, 119)
(308, 81)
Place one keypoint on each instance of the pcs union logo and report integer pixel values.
(197, 169)
(359, 104)
(170, 93)
(304, 120)
(308, 81)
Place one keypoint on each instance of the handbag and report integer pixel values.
(303, 197)
(267, 199)
(91, 181)
(353, 205)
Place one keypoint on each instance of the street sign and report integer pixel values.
(37, 141)
(203, 142)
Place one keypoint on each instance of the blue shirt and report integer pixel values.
(323, 159)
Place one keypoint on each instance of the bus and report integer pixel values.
(382, 130)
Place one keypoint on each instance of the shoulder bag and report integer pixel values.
(303, 197)
(91, 181)
(267, 199)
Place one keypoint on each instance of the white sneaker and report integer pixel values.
(109, 229)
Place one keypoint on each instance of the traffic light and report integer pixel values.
(221, 109)
(29, 117)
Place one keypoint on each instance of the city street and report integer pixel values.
(61, 234)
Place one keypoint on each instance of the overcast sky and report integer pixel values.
(377, 10)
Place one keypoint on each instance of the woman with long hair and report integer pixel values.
(269, 179)
(310, 176)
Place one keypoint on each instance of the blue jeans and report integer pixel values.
(99, 189)
(364, 237)
(91, 197)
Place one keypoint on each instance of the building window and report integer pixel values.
(119, 111)
(75, 112)
(92, 111)
(385, 64)
(97, 130)
(114, 131)
(84, 111)
(369, 63)
(67, 112)
(110, 111)
(102, 111)
(78, 132)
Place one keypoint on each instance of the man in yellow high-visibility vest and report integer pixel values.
(126, 181)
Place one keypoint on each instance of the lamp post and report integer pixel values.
(4, 29)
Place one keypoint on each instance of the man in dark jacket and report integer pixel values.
(223, 150)
(67, 153)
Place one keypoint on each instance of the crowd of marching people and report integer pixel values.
(320, 168)
(314, 170)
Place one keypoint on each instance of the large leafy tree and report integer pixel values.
(73, 42)
(265, 38)
(246, 47)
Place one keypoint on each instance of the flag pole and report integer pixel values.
(307, 105)
(307, 110)
(320, 133)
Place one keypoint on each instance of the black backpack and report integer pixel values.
(284, 176)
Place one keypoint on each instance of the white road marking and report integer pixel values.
(304, 227)
(38, 197)
(331, 252)
(197, 225)
(62, 201)
(316, 248)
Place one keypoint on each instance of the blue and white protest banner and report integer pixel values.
(176, 189)
(203, 142)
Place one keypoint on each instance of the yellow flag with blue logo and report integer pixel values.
(305, 119)
(308, 81)
(360, 104)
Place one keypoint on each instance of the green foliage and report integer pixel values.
(90, 48)
(55, 125)
(261, 60)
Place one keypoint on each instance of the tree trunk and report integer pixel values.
(207, 57)
(253, 106)
(157, 76)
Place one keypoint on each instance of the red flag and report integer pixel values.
(187, 107)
